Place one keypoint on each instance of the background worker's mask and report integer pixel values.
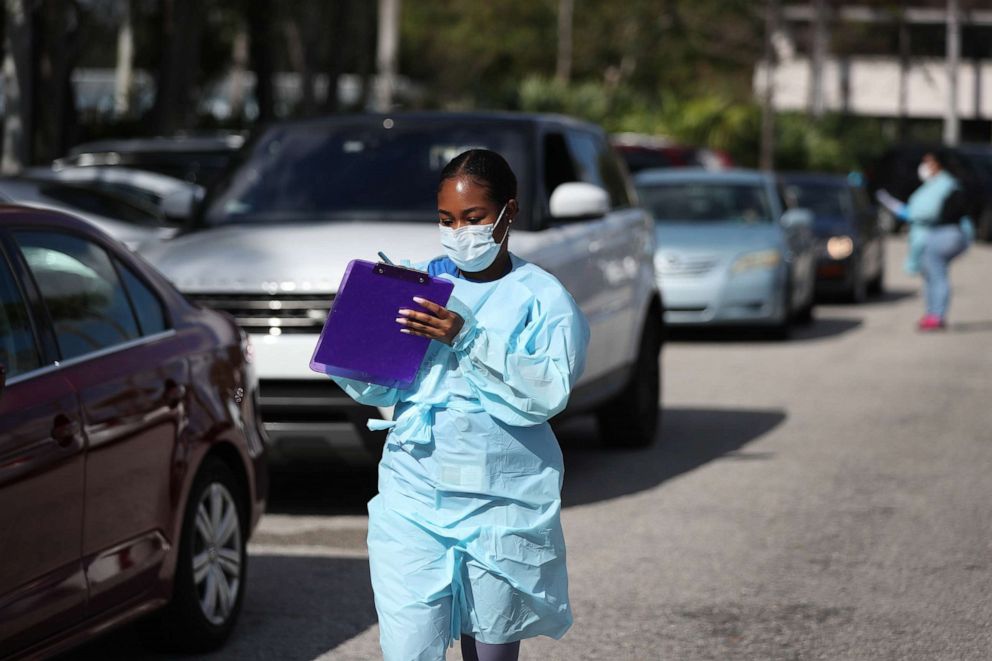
(472, 248)
(924, 171)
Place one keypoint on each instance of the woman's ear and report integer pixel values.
(511, 209)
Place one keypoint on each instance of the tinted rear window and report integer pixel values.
(828, 202)
(707, 202)
(356, 171)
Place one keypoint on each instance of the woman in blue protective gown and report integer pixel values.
(465, 538)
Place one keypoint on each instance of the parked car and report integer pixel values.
(730, 250)
(195, 158)
(978, 159)
(645, 152)
(895, 171)
(850, 240)
(128, 220)
(272, 240)
(169, 196)
(132, 464)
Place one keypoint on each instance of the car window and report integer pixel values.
(692, 202)
(383, 170)
(98, 202)
(85, 298)
(147, 306)
(18, 351)
(595, 163)
(639, 158)
(558, 165)
(829, 203)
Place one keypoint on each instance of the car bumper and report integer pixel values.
(834, 276)
(308, 419)
(313, 421)
(752, 297)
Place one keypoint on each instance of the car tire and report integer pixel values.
(984, 229)
(804, 315)
(858, 293)
(877, 285)
(780, 330)
(632, 419)
(211, 569)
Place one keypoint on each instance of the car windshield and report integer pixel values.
(387, 170)
(699, 201)
(827, 202)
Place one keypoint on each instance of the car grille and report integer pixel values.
(273, 314)
(669, 265)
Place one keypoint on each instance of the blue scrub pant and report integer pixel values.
(944, 243)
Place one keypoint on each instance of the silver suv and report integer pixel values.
(270, 243)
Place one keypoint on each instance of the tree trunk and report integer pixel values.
(952, 123)
(57, 47)
(563, 69)
(387, 46)
(366, 61)
(817, 60)
(123, 72)
(767, 161)
(341, 22)
(182, 25)
(239, 65)
(18, 72)
(261, 37)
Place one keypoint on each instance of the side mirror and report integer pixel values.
(178, 205)
(576, 199)
(797, 218)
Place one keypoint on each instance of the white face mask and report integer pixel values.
(924, 171)
(472, 248)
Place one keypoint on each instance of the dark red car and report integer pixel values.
(131, 462)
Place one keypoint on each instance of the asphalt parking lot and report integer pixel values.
(822, 498)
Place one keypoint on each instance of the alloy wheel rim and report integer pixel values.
(217, 553)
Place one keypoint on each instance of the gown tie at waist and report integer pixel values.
(414, 426)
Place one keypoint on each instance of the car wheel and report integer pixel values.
(877, 285)
(780, 330)
(211, 566)
(859, 288)
(985, 225)
(631, 419)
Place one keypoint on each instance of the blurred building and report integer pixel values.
(880, 60)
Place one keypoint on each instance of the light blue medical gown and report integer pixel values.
(465, 534)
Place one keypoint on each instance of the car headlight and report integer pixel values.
(840, 247)
(761, 259)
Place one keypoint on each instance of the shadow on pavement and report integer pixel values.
(816, 330)
(328, 493)
(886, 297)
(296, 609)
(689, 438)
(971, 327)
(825, 328)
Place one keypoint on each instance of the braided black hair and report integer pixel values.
(488, 169)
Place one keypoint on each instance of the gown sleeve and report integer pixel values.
(524, 378)
(368, 393)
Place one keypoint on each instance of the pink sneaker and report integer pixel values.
(930, 322)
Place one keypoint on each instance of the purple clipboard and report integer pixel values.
(361, 339)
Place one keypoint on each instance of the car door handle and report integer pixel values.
(175, 393)
(64, 430)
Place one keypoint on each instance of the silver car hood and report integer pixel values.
(300, 257)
